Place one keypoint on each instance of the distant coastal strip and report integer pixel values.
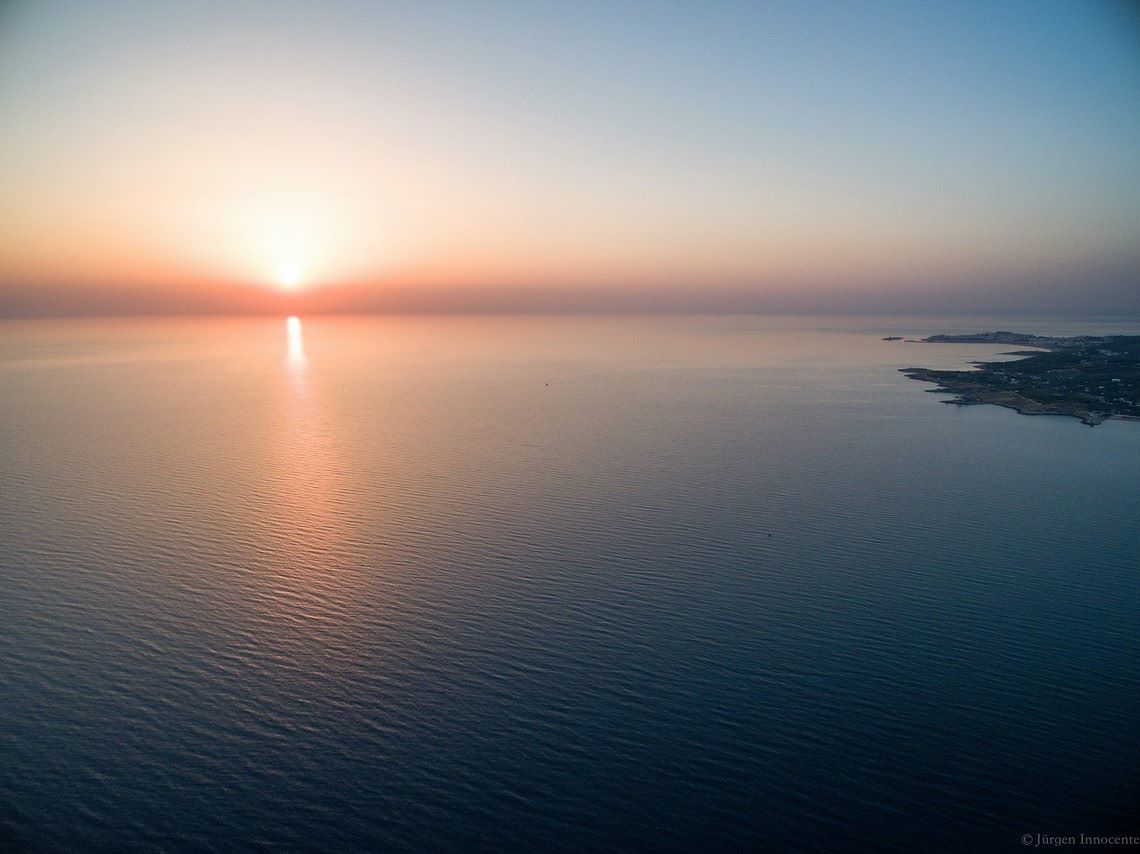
(1092, 378)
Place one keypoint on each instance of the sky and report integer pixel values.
(549, 156)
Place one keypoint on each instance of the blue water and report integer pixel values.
(533, 583)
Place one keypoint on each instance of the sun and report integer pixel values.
(289, 276)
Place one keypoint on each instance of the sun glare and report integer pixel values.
(289, 276)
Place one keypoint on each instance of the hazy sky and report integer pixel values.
(715, 156)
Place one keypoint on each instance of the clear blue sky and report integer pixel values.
(747, 155)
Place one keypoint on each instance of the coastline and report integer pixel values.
(1093, 378)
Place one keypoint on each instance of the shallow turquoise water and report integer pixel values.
(553, 583)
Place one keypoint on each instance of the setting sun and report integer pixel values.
(539, 425)
(289, 276)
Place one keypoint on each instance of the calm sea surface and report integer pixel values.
(581, 584)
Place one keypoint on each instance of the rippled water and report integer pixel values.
(553, 583)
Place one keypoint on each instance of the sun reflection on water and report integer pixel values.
(311, 537)
(295, 342)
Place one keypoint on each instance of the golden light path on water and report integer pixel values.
(309, 514)
(295, 342)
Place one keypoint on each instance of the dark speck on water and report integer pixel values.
(358, 592)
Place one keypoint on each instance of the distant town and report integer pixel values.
(1089, 377)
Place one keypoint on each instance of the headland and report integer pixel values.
(1090, 377)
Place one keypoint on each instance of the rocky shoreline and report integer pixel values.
(1092, 378)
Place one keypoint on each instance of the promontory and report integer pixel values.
(1091, 377)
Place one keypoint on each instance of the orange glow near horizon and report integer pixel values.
(178, 161)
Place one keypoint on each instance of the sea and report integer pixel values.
(555, 584)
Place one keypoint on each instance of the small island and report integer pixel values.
(1089, 377)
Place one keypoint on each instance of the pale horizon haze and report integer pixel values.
(363, 157)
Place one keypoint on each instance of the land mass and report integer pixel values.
(1090, 377)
